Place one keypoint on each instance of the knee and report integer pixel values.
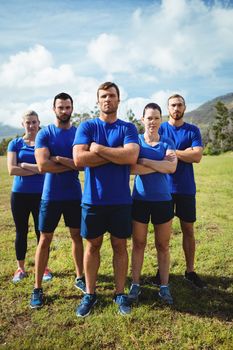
(139, 245)
(45, 241)
(162, 247)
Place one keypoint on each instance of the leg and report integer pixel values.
(92, 262)
(188, 244)
(77, 250)
(20, 213)
(139, 243)
(162, 238)
(120, 262)
(41, 258)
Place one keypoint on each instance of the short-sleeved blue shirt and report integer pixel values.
(184, 136)
(153, 187)
(60, 186)
(25, 154)
(106, 184)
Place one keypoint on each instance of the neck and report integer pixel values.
(108, 118)
(151, 138)
(175, 122)
(61, 125)
(29, 137)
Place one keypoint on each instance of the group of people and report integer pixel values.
(46, 164)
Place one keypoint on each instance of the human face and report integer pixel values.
(31, 124)
(176, 108)
(63, 110)
(151, 120)
(108, 101)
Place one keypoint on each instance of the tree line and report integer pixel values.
(218, 138)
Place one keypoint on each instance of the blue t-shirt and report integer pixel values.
(25, 154)
(106, 184)
(184, 136)
(153, 187)
(59, 186)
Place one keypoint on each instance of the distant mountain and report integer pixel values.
(204, 115)
(7, 131)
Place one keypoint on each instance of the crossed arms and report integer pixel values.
(147, 166)
(95, 154)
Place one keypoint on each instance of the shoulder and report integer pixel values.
(191, 127)
(15, 143)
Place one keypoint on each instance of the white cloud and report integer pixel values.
(178, 37)
(33, 68)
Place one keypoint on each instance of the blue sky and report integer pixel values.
(151, 49)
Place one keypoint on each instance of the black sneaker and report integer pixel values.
(157, 282)
(194, 279)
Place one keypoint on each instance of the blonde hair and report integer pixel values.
(29, 114)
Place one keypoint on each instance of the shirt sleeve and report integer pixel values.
(12, 147)
(83, 135)
(131, 135)
(196, 138)
(41, 140)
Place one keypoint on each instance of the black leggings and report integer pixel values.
(22, 204)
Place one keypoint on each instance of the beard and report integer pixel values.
(177, 116)
(66, 120)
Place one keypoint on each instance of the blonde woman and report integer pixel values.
(26, 189)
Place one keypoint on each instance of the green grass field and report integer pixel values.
(197, 320)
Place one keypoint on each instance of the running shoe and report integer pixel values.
(36, 299)
(193, 278)
(134, 292)
(87, 303)
(80, 284)
(123, 303)
(19, 275)
(165, 295)
(47, 276)
(157, 282)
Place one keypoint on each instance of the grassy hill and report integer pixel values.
(204, 115)
(7, 131)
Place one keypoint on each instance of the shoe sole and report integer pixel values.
(193, 284)
(133, 299)
(82, 316)
(80, 289)
(36, 307)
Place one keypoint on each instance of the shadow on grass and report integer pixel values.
(216, 301)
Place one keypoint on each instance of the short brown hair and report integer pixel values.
(176, 96)
(107, 85)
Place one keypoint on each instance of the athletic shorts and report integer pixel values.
(185, 207)
(98, 219)
(51, 212)
(158, 212)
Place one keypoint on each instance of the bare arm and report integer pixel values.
(16, 169)
(190, 155)
(45, 164)
(65, 161)
(139, 169)
(128, 154)
(84, 157)
(166, 166)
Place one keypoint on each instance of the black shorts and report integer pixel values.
(98, 219)
(158, 212)
(51, 212)
(185, 207)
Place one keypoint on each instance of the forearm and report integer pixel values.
(139, 169)
(87, 158)
(31, 167)
(68, 162)
(117, 155)
(18, 171)
(161, 166)
(190, 155)
(50, 166)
